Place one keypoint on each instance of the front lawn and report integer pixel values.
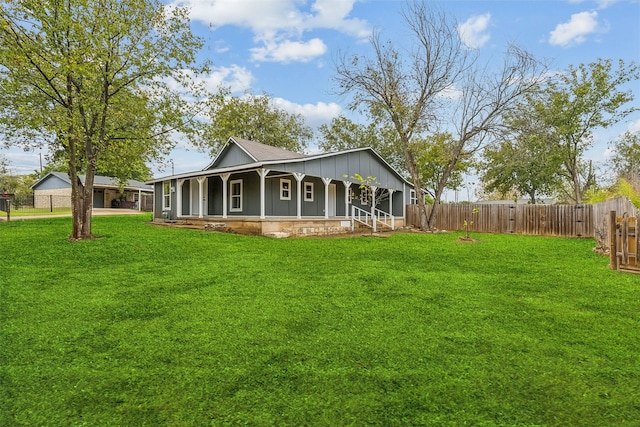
(159, 326)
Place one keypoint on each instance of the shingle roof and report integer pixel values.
(263, 153)
(98, 180)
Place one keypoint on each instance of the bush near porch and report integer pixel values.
(163, 326)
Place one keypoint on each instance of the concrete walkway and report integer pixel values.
(96, 212)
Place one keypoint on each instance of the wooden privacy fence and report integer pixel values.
(544, 220)
(624, 247)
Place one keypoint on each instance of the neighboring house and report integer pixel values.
(106, 191)
(258, 189)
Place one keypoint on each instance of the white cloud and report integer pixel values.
(472, 32)
(451, 92)
(279, 25)
(235, 77)
(635, 126)
(289, 51)
(314, 114)
(575, 31)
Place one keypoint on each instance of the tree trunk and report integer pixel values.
(415, 176)
(431, 221)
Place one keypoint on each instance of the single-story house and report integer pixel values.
(106, 191)
(258, 189)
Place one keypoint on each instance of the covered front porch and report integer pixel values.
(263, 201)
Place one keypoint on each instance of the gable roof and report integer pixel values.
(263, 153)
(98, 181)
(242, 151)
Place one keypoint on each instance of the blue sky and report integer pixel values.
(286, 48)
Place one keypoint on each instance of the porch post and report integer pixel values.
(139, 200)
(179, 183)
(373, 207)
(299, 177)
(391, 208)
(263, 174)
(404, 203)
(201, 180)
(225, 179)
(347, 184)
(326, 181)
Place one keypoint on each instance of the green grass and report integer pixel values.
(159, 326)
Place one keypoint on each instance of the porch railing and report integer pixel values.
(364, 217)
(385, 219)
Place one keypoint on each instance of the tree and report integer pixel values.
(413, 90)
(4, 165)
(525, 161)
(256, 118)
(433, 156)
(625, 161)
(94, 80)
(344, 134)
(576, 103)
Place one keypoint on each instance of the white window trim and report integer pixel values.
(308, 185)
(413, 198)
(166, 195)
(364, 196)
(232, 196)
(282, 189)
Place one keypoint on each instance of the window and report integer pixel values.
(413, 199)
(236, 195)
(364, 196)
(285, 189)
(166, 195)
(308, 191)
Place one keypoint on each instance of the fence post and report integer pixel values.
(613, 245)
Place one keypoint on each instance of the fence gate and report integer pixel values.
(624, 247)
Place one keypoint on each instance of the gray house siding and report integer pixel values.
(186, 190)
(273, 205)
(250, 194)
(53, 182)
(157, 200)
(234, 156)
(315, 207)
(214, 195)
(345, 167)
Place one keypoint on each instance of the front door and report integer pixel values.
(98, 198)
(332, 200)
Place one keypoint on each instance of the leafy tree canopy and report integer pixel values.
(575, 103)
(253, 117)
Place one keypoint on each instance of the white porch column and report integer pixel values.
(393, 225)
(201, 180)
(299, 177)
(373, 207)
(263, 174)
(404, 203)
(347, 184)
(225, 179)
(179, 183)
(326, 181)
(139, 200)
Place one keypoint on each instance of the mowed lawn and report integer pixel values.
(171, 327)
